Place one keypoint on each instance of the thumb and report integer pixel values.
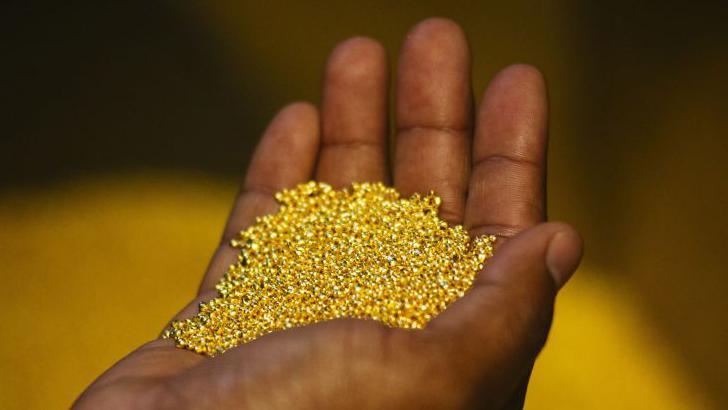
(496, 330)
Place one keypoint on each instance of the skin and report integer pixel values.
(488, 165)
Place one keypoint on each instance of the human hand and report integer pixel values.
(489, 171)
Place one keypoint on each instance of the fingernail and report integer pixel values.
(563, 256)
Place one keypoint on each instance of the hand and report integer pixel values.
(490, 174)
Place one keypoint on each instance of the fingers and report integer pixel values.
(354, 114)
(502, 322)
(507, 183)
(434, 115)
(285, 156)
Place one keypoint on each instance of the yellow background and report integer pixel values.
(130, 126)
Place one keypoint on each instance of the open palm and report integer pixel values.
(488, 165)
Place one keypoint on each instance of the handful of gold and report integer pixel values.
(361, 252)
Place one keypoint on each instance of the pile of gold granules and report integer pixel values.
(360, 252)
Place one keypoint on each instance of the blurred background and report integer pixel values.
(127, 125)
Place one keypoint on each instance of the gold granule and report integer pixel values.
(361, 252)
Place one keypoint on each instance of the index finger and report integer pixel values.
(508, 179)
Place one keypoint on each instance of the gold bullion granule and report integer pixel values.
(360, 252)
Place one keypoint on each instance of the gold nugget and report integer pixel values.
(361, 252)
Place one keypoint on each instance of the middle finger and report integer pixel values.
(434, 124)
